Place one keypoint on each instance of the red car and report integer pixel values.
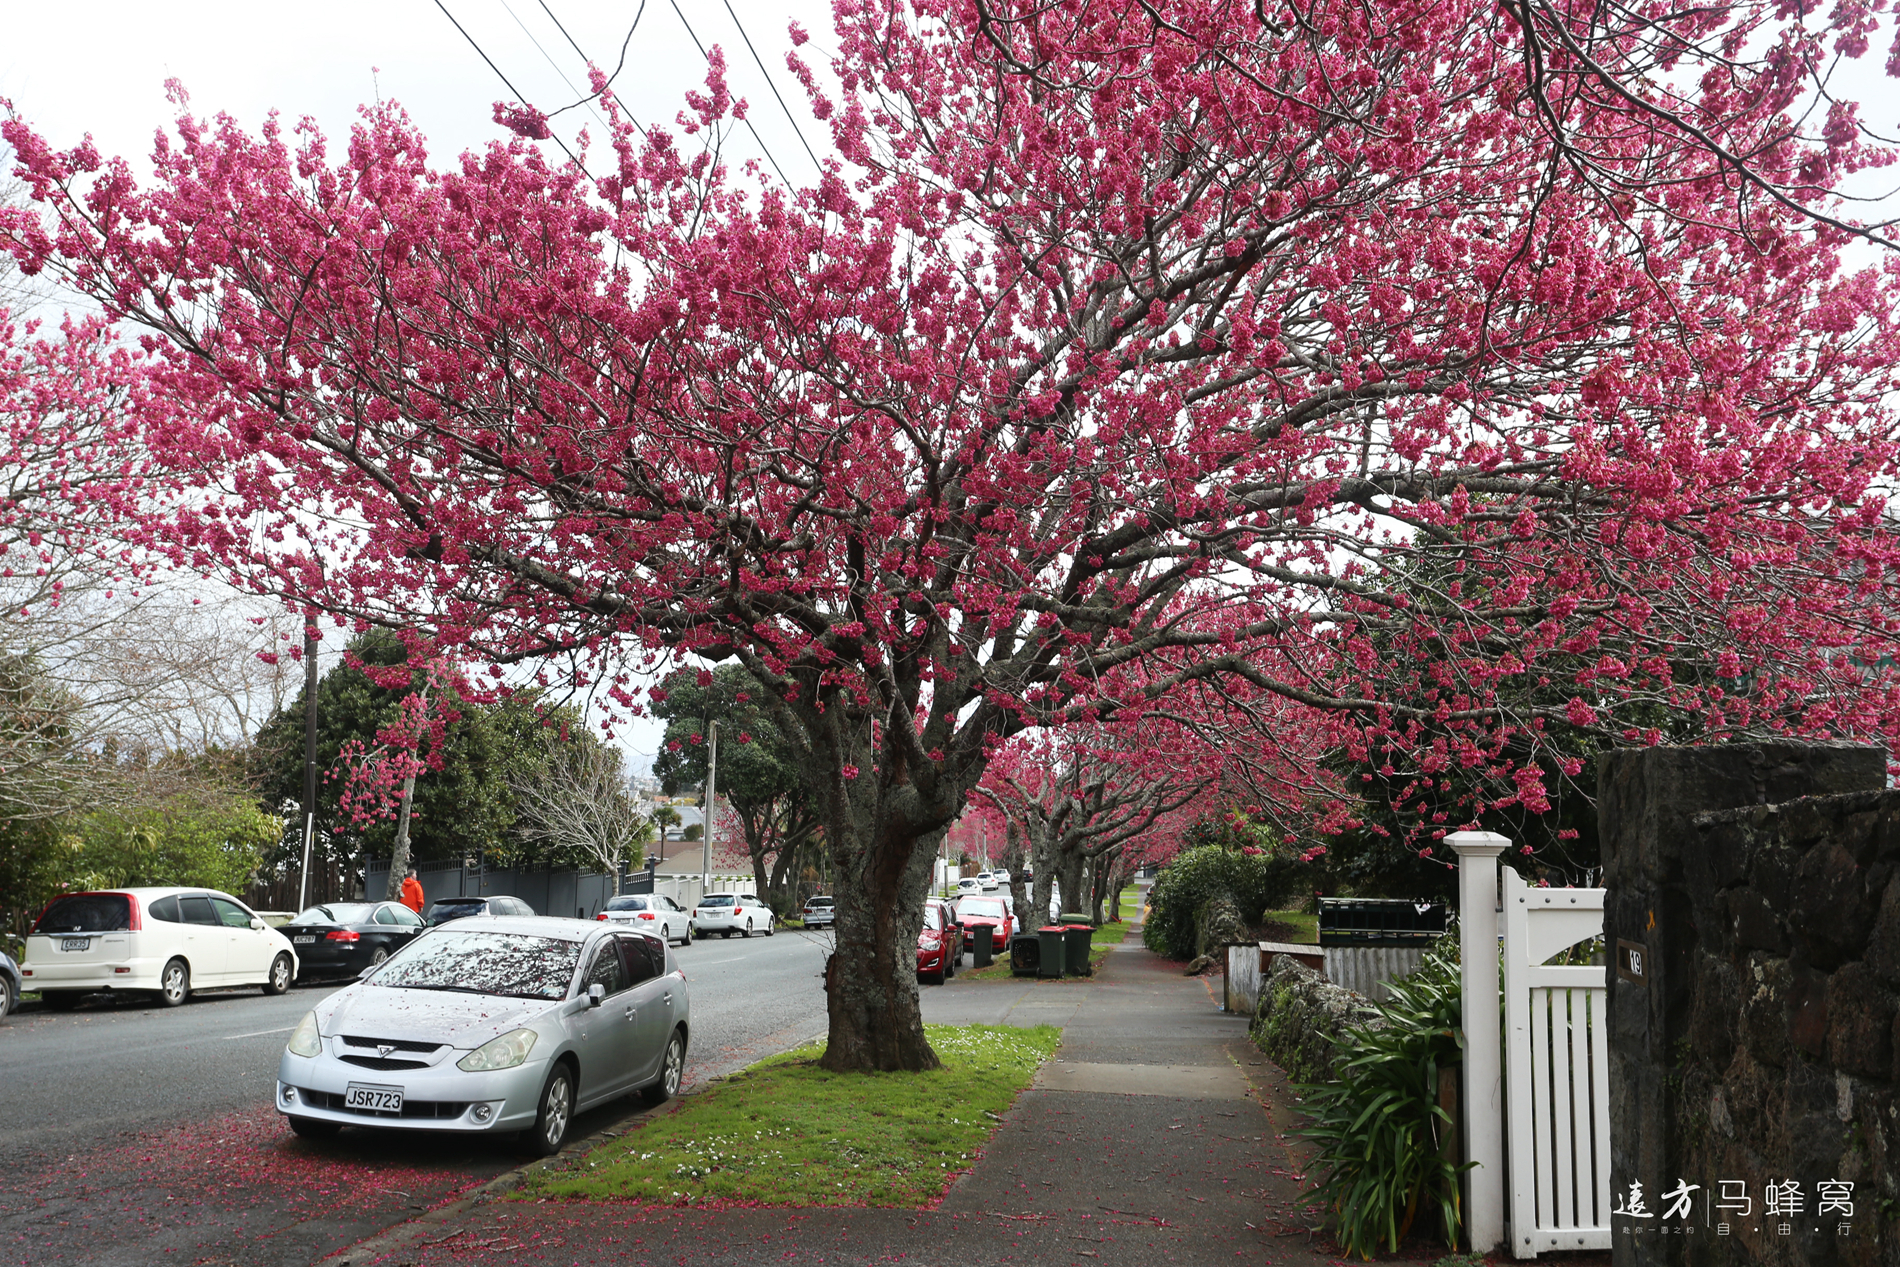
(939, 945)
(987, 912)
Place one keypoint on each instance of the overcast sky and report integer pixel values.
(101, 67)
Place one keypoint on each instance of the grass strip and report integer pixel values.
(1304, 925)
(785, 1132)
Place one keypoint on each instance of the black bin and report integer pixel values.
(982, 945)
(1049, 963)
(1025, 956)
(1078, 939)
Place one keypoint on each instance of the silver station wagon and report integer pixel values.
(493, 1025)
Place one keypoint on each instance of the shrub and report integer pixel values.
(1380, 1127)
(1253, 882)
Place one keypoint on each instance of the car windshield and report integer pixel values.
(627, 904)
(981, 908)
(336, 913)
(87, 913)
(515, 964)
(457, 909)
(717, 899)
(933, 917)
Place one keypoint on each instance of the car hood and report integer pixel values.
(460, 1020)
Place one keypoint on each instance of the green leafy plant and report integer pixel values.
(1253, 881)
(1380, 1128)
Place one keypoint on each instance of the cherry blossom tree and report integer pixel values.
(1121, 348)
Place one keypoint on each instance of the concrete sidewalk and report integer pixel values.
(1157, 1134)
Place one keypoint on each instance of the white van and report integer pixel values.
(168, 941)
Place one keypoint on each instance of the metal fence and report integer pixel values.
(575, 894)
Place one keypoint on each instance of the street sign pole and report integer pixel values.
(706, 814)
(309, 752)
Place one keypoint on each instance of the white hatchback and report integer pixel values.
(651, 913)
(168, 941)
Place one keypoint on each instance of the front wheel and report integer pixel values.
(769, 925)
(8, 999)
(279, 980)
(549, 1132)
(672, 1069)
(174, 984)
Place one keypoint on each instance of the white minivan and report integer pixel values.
(168, 941)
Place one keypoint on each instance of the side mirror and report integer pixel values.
(257, 922)
(596, 994)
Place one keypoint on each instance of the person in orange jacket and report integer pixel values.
(412, 892)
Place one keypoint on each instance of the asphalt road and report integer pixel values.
(134, 1134)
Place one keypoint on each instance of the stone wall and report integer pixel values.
(1761, 886)
(1300, 1011)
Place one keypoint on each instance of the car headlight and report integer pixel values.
(305, 1040)
(504, 1052)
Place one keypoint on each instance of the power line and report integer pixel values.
(774, 87)
(620, 66)
(511, 88)
(748, 123)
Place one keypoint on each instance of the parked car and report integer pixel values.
(445, 909)
(651, 912)
(969, 884)
(340, 939)
(9, 985)
(729, 913)
(992, 913)
(497, 1026)
(939, 943)
(821, 911)
(170, 941)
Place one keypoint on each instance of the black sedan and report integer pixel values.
(340, 939)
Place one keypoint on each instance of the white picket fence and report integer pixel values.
(1542, 1085)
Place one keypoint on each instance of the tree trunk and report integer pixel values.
(780, 898)
(1014, 858)
(1043, 854)
(882, 833)
(399, 855)
(1074, 895)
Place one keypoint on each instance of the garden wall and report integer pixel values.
(1754, 1040)
(1299, 1013)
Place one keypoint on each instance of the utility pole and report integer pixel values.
(309, 752)
(706, 815)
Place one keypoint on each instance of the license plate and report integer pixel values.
(379, 1099)
(302, 941)
(76, 943)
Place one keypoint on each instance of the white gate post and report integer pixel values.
(1483, 1090)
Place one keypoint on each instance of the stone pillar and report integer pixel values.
(1484, 1085)
(1647, 799)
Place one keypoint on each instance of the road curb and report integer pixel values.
(420, 1231)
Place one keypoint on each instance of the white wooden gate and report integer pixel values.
(1556, 1071)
